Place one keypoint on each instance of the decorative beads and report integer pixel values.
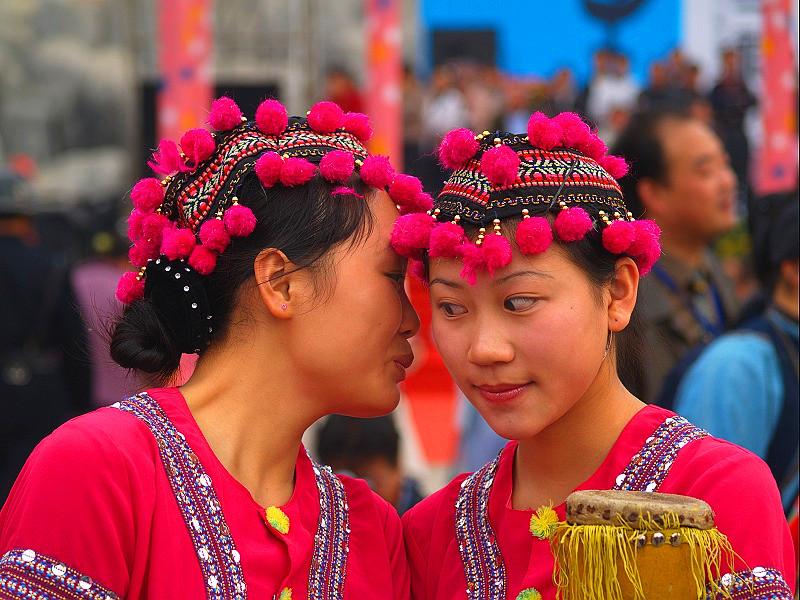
(759, 583)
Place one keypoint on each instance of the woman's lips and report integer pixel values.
(503, 392)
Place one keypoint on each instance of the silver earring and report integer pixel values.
(609, 342)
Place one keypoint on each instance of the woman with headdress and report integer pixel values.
(533, 265)
(265, 250)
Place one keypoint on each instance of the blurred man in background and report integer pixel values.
(681, 178)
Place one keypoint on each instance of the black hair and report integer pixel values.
(304, 222)
(348, 442)
(640, 144)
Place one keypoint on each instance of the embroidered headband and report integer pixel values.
(182, 222)
(558, 179)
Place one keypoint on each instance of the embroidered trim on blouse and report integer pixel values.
(649, 467)
(197, 500)
(33, 576)
(484, 568)
(757, 584)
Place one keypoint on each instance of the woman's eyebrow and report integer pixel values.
(446, 282)
(527, 273)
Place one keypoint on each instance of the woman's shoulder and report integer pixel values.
(436, 509)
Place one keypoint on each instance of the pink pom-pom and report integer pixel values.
(411, 234)
(614, 165)
(153, 226)
(135, 224)
(446, 238)
(500, 165)
(203, 260)
(297, 171)
(166, 160)
(404, 189)
(358, 124)
(197, 145)
(543, 132)
(594, 148)
(377, 172)
(268, 168)
(496, 252)
(130, 288)
(177, 243)
(618, 237)
(325, 117)
(225, 114)
(422, 202)
(337, 165)
(214, 236)
(457, 147)
(239, 220)
(147, 195)
(141, 252)
(646, 248)
(534, 235)
(575, 133)
(416, 269)
(472, 261)
(572, 224)
(271, 117)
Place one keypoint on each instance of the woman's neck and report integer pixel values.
(549, 466)
(245, 405)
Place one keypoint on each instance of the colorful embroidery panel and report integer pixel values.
(484, 568)
(649, 467)
(33, 576)
(757, 584)
(201, 510)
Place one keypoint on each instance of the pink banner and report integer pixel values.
(777, 161)
(384, 73)
(184, 57)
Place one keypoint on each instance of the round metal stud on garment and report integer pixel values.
(641, 541)
(177, 275)
(194, 304)
(675, 539)
(59, 570)
(85, 582)
(28, 556)
(759, 572)
(168, 268)
(727, 580)
(658, 539)
(186, 288)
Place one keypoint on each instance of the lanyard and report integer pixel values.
(711, 328)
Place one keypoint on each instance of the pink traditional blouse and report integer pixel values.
(130, 501)
(467, 542)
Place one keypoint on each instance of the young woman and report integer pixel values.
(265, 249)
(533, 264)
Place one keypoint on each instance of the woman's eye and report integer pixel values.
(399, 278)
(451, 310)
(519, 303)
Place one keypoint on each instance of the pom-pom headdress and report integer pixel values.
(558, 182)
(187, 215)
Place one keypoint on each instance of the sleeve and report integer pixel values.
(416, 555)
(740, 489)
(734, 391)
(393, 531)
(68, 529)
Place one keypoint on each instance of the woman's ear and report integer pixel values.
(275, 282)
(623, 291)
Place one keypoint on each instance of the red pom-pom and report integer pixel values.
(496, 252)
(575, 133)
(271, 117)
(337, 165)
(268, 168)
(615, 166)
(239, 220)
(543, 132)
(411, 234)
(446, 239)
(135, 224)
(197, 145)
(153, 226)
(377, 172)
(325, 117)
(214, 236)
(572, 224)
(358, 124)
(297, 171)
(141, 252)
(618, 237)
(405, 188)
(594, 148)
(203, 260)
(129, 288)
(646, 248)
(416, 269)
(177, 243)
(500, 165)
(534, 235)
(147, 195)
(472, 260)
(166, 160)
(422, 202)
(225, 114)
(457, 147)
